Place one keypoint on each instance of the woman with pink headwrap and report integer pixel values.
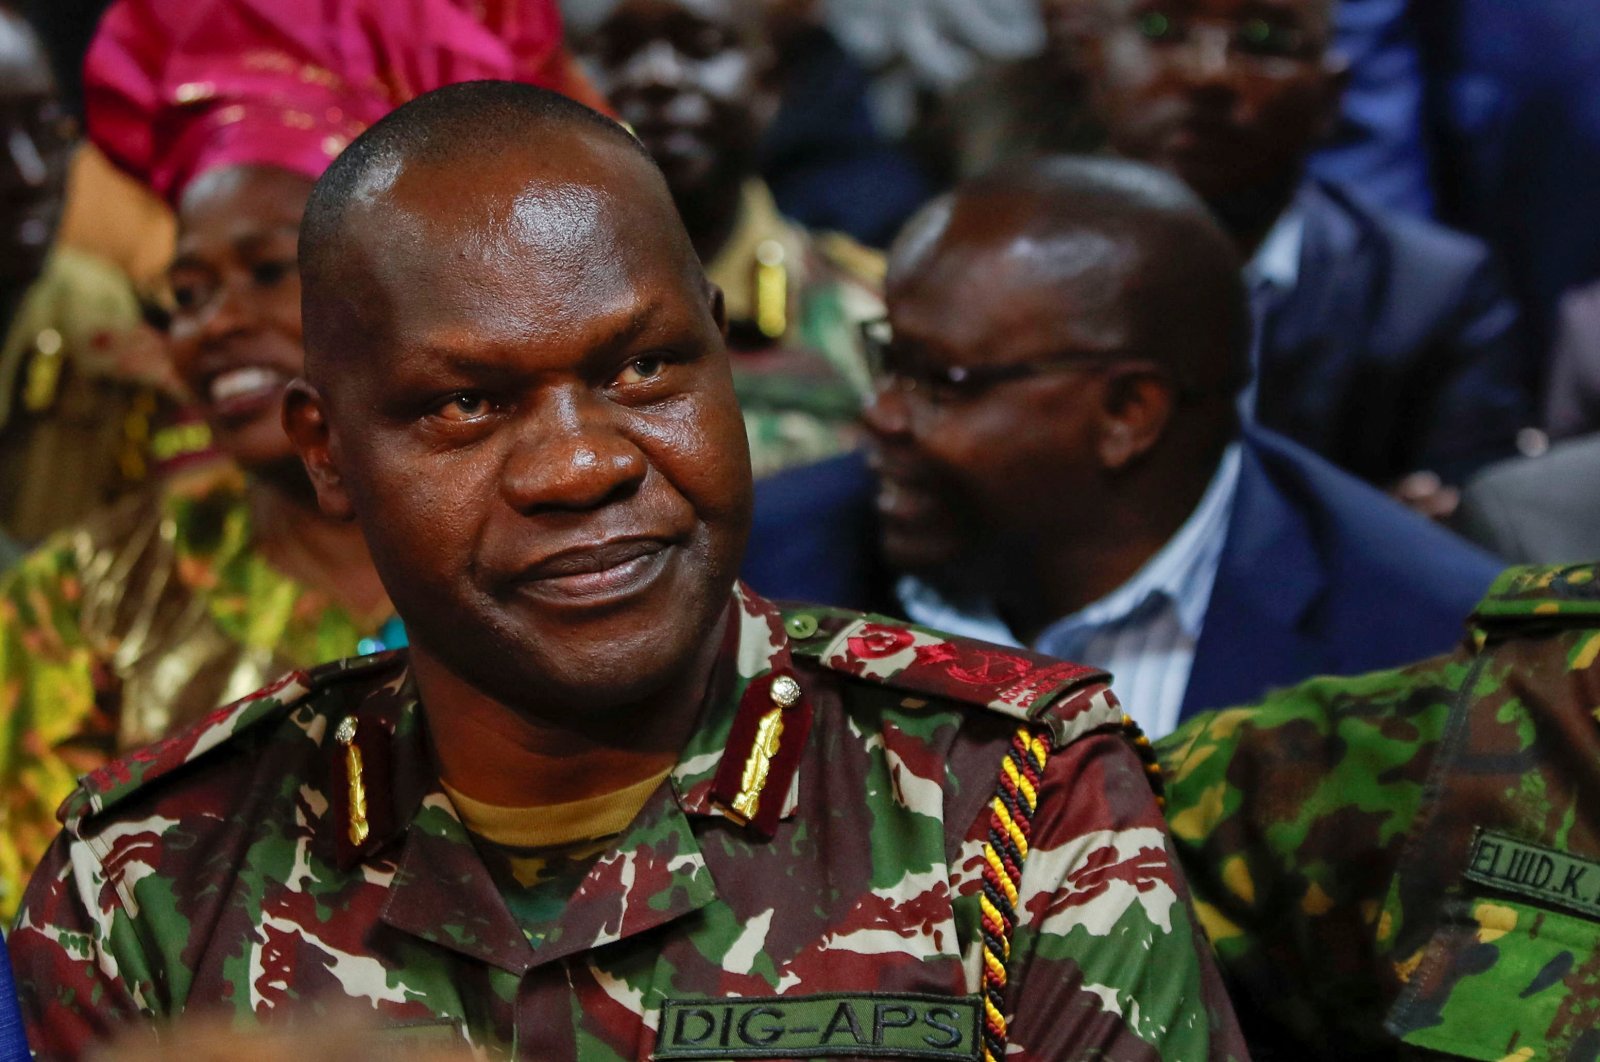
(192, 595)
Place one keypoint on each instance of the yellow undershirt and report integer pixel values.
(554, 825)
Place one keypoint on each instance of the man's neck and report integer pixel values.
(300, 541)
(498, 754)
(712, 215)
(1072, 572)
(1249, 215)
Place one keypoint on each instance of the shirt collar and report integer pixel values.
(1276, 262)
(1183, 572)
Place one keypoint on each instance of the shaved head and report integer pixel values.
(372, 212)
(1132, 246)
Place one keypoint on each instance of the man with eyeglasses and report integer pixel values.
(1059, 461)
(1386, 343)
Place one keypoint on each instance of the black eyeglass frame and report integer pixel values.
(968, 380)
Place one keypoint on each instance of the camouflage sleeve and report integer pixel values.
(81, 971)
(1110, 961)
(53, 692)
(1288, 819)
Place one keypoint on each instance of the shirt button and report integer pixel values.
(801, 626)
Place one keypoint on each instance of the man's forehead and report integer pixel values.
(719, 11)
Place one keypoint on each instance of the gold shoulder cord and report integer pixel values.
(1004, 853)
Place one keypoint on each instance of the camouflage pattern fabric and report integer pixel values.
(219, 871)
(1407, 864)
(142, 620)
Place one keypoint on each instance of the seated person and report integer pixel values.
(71, 431)
(1059, 461)
(609, 803)
(152, 613)
(1386, 343)
(697, 81)
(1407, 864)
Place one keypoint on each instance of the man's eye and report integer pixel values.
(1257, 36)
(270, 274)
(1156, 26)
(189, 295)
(463, 407)
(642, 370)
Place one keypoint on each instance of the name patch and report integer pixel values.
(1539, 873)
(857, 1025)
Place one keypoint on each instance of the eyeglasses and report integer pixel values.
(947, 384)
(1258, 43)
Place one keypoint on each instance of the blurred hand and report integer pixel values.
(1428, 495)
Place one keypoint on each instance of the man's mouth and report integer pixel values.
(596, 574)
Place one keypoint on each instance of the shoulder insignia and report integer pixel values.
(861, 263)
(107, 786)
(1569, 592)
(1067, 699)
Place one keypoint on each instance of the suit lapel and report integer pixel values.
(1269, 583)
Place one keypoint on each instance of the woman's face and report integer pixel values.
(236, 291)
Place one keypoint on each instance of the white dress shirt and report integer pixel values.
(1144, 632)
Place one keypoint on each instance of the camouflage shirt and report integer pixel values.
(1407, 864)
(219, 870)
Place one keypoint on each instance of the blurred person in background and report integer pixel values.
(1384, 342)
(696, 81)
(72, 427)
(1057, 461)
(190, 595)
(827, 162)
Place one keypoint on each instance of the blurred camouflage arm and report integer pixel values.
(1110, 961)
(1288, 819)
(82, 973)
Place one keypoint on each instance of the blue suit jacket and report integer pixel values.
(1320, 573)
(1397, 350)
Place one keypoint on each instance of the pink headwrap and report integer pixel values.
(175, 88)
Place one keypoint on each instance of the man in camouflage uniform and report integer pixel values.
(601, 809)
(1407, 864)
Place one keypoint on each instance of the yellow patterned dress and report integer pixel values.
(142, 619)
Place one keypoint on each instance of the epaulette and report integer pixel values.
(1069, 700)
(107, 786)
(862, 264)
(1567, 594)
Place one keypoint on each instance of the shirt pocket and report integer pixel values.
(1502, 979)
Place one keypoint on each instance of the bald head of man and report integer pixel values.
(1064, 346)
(516, 381)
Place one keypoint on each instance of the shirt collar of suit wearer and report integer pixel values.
(1276, 263)
(1181, 573)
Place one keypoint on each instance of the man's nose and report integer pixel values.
(656, 65)
(571, 454)
(888, 412)
(1207, 56)
(25, 158)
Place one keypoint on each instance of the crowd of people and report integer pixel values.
(709, 529)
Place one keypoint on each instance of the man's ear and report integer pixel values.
(305, 420)
(1135, 410)
(719, 308)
